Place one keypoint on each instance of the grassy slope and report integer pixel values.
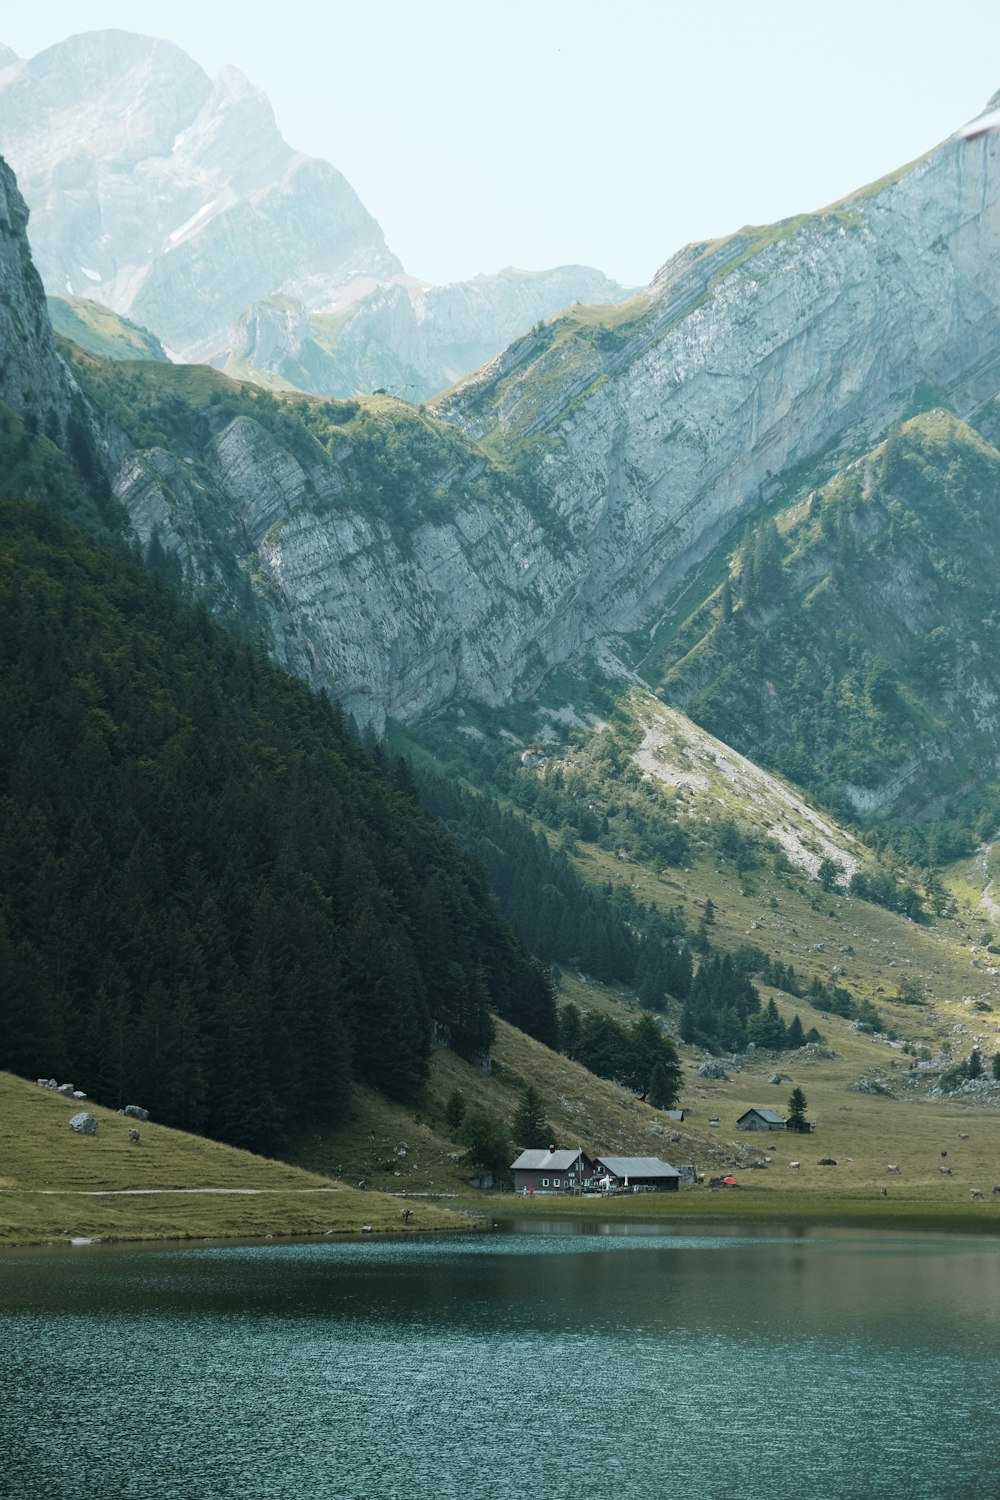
(789, 916)
(56, 1185)
(100, 331)
(876, 559)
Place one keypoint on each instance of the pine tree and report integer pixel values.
(530, 1128)
(797, 1105)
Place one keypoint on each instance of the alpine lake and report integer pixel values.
(548, 1359)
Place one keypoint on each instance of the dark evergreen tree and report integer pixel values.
(212, 901)
(530, 1129)
(797, 1106)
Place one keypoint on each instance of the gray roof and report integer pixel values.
(637, 1166)
(545, 1161)
(765, 1114)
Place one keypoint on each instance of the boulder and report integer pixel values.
(713, 1068)
(83, 1124)
(871, 1086)
(136, 1112)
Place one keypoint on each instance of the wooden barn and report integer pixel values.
(760, 1119)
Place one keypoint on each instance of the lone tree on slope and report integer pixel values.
(797, 1111)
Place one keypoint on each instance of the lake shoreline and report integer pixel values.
(484, 1213)
(749, 1207)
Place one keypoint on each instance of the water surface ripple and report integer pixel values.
(636, 1363)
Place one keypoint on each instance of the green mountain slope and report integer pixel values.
(100, 331)
(854, 643)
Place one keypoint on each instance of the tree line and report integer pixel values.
(213, 902)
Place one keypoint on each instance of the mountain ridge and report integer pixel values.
(172, 198)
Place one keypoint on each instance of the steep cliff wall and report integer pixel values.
(658, 426)
(32, 376)
(614, 446)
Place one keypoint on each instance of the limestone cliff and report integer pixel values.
(603, 453)
(658, 425)
(32, 376)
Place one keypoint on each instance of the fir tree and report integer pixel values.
(529, 1128)
(797, 1106)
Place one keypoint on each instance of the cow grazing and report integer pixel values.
(795, 1165)
(133, 1135)
(892, 1167)
(944, 1153)
(946, 1171)
(884, 1191)
(963, 1135)
(406, 1214)
(977, 1193)
(996, 1189)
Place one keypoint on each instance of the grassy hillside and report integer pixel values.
(100, 331)
(874, 1089)
(56, 1185)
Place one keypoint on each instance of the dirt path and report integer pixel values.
(163, 1192)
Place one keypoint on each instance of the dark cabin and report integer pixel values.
(552, 1171)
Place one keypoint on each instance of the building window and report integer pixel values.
(545, 1182)
(555, 1182)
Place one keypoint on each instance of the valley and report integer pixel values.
(416, 699)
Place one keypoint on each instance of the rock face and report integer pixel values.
(744, 359)
(32, 376)
(612, 449)
(172, 197)
(402, 561)
(406, 337)
(393, 604)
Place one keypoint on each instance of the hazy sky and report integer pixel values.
(485, 133)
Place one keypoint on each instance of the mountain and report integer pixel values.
(32, 376)
(171, 197)
(660, 424)
(554, 503)
(853, 641)
(408, 338)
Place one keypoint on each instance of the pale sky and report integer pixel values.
(486, 133)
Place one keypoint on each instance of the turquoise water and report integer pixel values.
(559, 1364)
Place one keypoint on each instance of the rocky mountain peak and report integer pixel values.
(117, 96)
(171, 197)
